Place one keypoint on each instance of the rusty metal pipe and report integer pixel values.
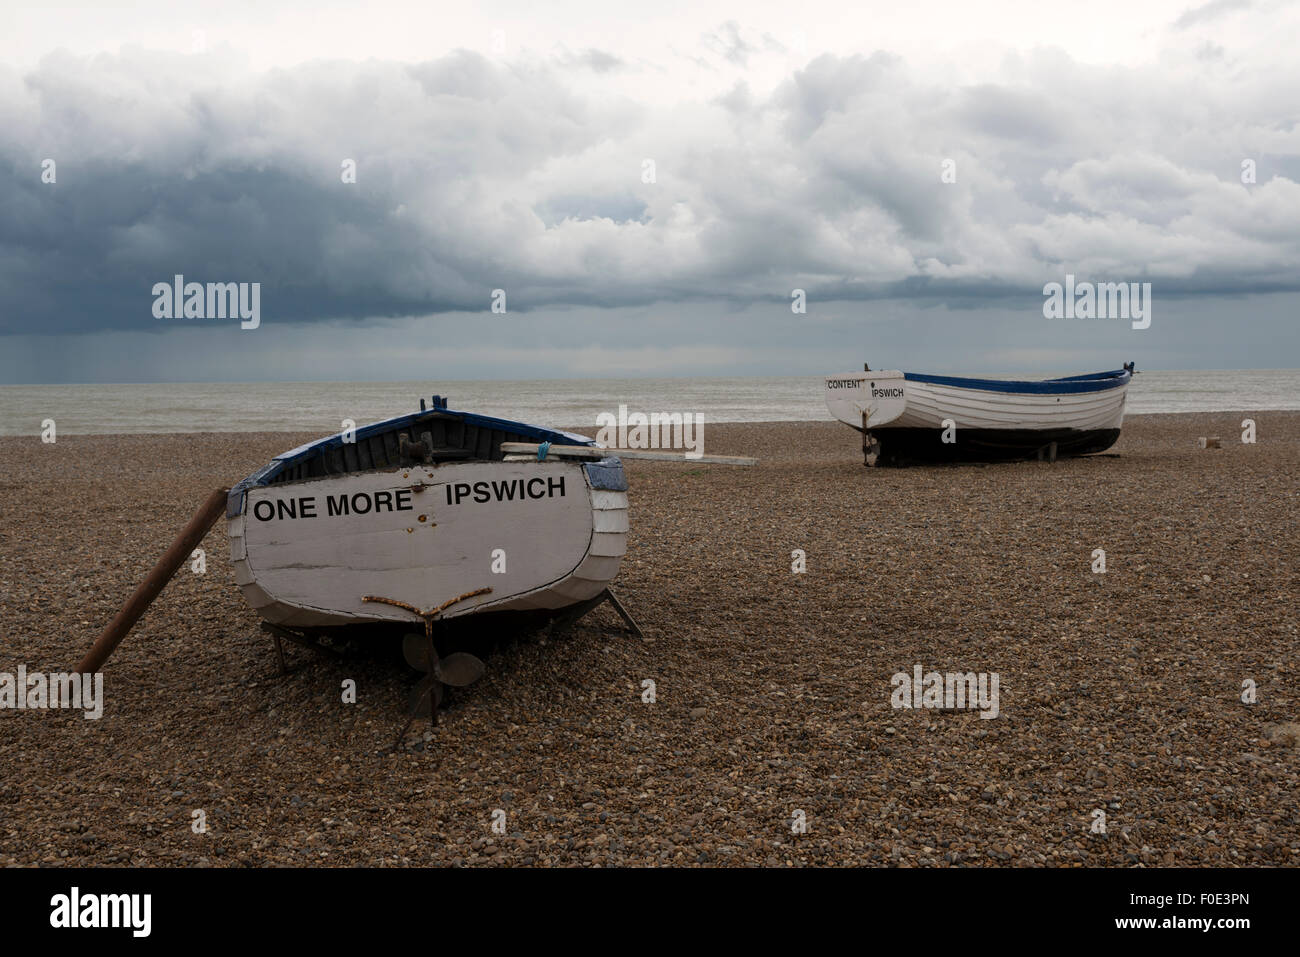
(162, 573)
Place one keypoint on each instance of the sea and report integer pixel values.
(321, 407)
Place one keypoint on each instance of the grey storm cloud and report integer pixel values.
(477, 174)
(598, 61)
(1209, 12)
(729, 42)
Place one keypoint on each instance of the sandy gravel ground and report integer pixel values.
(1119, 692)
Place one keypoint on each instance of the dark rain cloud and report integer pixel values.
(476, 174)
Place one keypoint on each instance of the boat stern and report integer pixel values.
(865, 400)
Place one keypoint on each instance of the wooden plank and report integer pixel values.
(522, 449)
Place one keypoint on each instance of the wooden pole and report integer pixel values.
(161, 574)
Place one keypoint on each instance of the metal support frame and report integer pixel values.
(571, 617)
(281, 634)
(430, 687)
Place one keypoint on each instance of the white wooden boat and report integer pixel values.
(422, 519)
(910, 417)
(419, 517)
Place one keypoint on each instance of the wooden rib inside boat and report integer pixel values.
(433, 437)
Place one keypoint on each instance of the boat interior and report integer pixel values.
(432, 436)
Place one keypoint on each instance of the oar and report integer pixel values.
(527, 451)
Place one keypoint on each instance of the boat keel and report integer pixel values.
(897, 447)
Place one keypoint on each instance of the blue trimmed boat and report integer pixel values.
(422, 517)
(913, 417)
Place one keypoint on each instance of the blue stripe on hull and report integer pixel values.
(1071, 385)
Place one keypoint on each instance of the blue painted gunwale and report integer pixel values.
(606, 473)
(1070, 385)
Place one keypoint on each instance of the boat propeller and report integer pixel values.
(456, 670)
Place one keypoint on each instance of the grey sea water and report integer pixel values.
(321, 407)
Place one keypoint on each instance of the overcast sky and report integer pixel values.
(509, 145)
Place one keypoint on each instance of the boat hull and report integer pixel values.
(900, 446)
(390, 545)
(908, 417)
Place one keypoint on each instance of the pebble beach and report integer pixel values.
(1121, 736)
